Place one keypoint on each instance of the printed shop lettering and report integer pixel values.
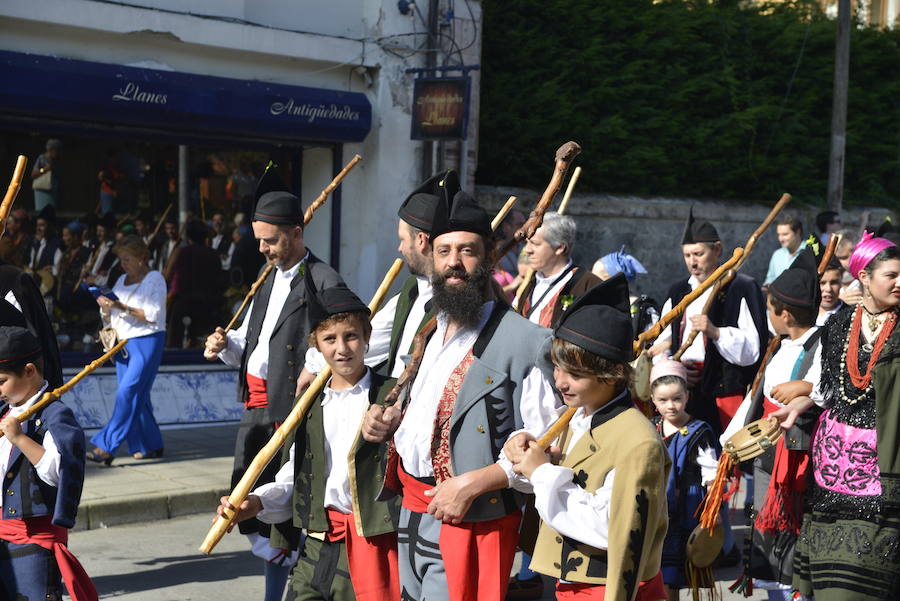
(132, 92)
(311, 112)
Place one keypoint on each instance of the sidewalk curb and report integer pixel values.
(147, 507)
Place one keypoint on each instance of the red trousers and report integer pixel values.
(478, 556)
(372, 560)
(649, 590)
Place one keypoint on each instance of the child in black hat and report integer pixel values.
(603, 508)
(42, 466)
(330, 496)
(780, 475)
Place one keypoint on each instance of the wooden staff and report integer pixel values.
(504, 210)
(49, 397)
(720, 286)
(657, 329)
(162, 220)
(15, 184)
(307, 217)
(123, 220)
(564, 157)
(330, 188)
(529, 273)
(294, 418)
(86, 268)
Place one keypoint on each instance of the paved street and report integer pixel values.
(159, 561)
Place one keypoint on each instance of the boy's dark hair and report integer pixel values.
(795, 224)
(581, 362)
(824, 219)
(362, 317)
(18, 367)
(661, 381)
(804, 316)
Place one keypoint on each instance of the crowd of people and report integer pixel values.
(424, 487)
(207, 266)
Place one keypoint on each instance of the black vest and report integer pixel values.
(287, 346)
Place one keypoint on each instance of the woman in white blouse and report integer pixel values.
(139, 315)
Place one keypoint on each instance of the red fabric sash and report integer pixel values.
(258, 397)
(440, 439)
(372, 560)
(42, 532)
(478, 556)
(649, 590)
(783, 508)
(728, 406)
(546, 317)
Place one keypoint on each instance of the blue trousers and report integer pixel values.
(132, 418)
(28, 572)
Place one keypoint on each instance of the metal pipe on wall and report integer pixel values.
(183, 183)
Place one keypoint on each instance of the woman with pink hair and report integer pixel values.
(849, 543)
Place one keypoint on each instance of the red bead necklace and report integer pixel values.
(862, 381)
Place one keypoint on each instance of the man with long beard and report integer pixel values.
(483, 376)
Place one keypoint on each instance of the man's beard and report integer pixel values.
(461, 302)
(417, 264)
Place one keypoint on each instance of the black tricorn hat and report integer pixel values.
(331, 301)
(10, 316)
(17, 344)
(698, 231)
(599, 321)
(419, 207)
(270, 182)
(108, 221)
(798, 285)
(462, 214)
(886, 227)
(48, 214)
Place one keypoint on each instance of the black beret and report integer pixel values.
(48, 214)
(270, 182)
(463, 214)
(599, 321)
(798, 285)
(17, 344)
(698, 231)
(10, 316)
(331, 301)
(419, 207)
(279, 208)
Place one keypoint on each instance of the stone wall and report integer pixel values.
(651, 229)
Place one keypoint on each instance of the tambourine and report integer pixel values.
(704, 547)
(753, 440)
(640, 385)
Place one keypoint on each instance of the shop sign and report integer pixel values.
(440, 108)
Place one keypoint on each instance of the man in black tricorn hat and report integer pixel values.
(458, 515)
(722, 360)
(270, 344)
(395, 325)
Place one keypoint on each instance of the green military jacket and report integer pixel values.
(366, 469)
(405, 299)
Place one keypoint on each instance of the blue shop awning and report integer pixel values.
(58, 90)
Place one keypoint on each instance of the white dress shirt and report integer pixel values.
(258, 361)
(823, 317)
(737, 345)
(780, 370)
(342, 414)
(545, 290)
(538, 404)
(150, 295)
(48, 467)
(382, 325)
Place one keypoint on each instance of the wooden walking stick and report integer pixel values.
(725, 281)
(504, 210)
(307, 217)
(15, 184)
(294, 418)
(49, 397)
(564, 157)
(529, 273)
(162, 219)
(330, 188)
(664, 322)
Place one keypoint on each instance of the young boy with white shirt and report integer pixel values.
(603, 509)
(780, 474)
(332, 476)
(42, 462)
